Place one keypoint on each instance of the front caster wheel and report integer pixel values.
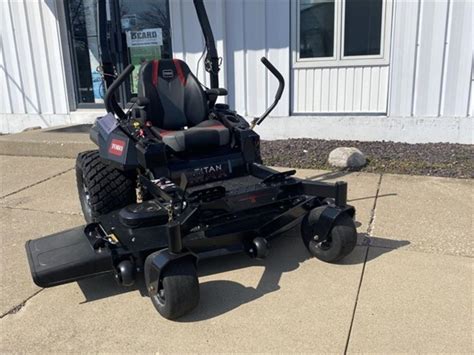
(178, 291)
(125, 273)
(340, 242)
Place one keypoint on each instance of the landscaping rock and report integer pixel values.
(347, 158)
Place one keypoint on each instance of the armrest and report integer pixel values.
(216, 92)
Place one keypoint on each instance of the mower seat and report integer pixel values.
(178, 108)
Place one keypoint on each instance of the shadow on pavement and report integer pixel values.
(329, 175)
(221, 296)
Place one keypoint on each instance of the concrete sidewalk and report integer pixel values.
(407, 287)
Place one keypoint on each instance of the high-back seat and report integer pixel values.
(178, 107)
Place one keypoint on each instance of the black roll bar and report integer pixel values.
(110, 100)
(212, 58)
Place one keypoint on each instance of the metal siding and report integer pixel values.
(357, 93)
(277, 19)
(341, 90)
(235, 56)
(470, 109)
(431, 58)
(349, 90)
(383, 89)
(457, 77)
(255, 41)
(25, 53)
(5, 99)
(40, 64)
(49, 15)
(251, 29)
(403, 57)
(317, 93)
(332, 91)
(14, 78)
(32, 62)
(344, 90)
(429, 69)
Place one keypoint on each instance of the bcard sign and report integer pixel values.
(145, 38)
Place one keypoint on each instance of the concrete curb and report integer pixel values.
(57, 142)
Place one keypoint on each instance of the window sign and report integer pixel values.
(145, 38)
(143, 45)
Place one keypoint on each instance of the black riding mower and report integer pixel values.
(177, 178)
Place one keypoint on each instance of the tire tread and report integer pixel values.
(109, 188)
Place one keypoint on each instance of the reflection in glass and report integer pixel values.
(139, 16)
(82, 15)
(145, 17)
(363, 27)
(316, 28)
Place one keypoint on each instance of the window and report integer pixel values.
(316, 29)
(362, 27)
(341, 32)
(125, 19)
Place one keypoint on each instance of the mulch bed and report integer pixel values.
(432, 159)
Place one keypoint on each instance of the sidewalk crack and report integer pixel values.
(43, 211)
(370, 228)
(36, 183)
(369, 233)
(18, 307)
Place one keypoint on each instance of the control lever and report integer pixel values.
(257, 120)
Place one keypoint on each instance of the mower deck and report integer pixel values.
(224, 216)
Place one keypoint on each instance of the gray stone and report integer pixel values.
(347, 157)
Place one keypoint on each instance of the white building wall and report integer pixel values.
(32, 75)
(245, 31)
(426, 86)
(431, 64)
(355, 89)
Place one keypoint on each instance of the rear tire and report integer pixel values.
(341, 240)
(179, 290)
(101, 188)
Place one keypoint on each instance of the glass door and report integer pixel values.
(145, 27)
(136, 32)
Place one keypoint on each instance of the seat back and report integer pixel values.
(176, 96)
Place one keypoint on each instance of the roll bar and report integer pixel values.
(212, 58)
(109, 99)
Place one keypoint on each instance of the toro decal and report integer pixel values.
(117, 147)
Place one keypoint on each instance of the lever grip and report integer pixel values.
(272, 69)
(281, 87)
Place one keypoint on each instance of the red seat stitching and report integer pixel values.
(154, 79)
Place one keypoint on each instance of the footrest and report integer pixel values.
(65, 257)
